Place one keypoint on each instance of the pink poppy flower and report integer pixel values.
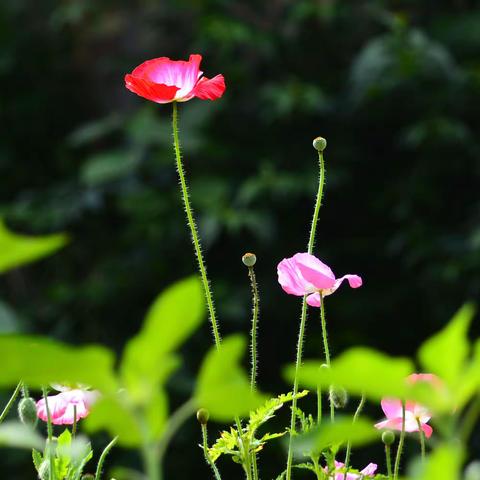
(304, 274)
(162, 80)
(414, 412)
(368, 471)
(62, 406)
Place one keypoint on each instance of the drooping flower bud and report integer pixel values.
(319, 144)
(27, 412)
(338, 396)
(388, 437)
(202, 416)
(249, 259)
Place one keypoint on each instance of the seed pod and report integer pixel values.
(388, 437)
(249, 259)
(319, 144)
(202, 416)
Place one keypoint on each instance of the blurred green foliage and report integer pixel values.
(393, 86)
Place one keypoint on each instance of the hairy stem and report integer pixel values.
(349, 444)
(400, 444)
(303, 315)
(101, 460)
(10, 402)
(388, 457)
(193, 227)
(421, 434)
(255, 312)
(208, 459)
(51, 459)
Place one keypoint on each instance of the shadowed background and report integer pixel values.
(394, 87)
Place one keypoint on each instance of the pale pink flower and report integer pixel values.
(414, 412)
(304, 274)
(62, 406)
(162, 80)
(368, 471)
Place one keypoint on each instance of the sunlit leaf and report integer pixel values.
(360, 432)
(445, 353)
(444, 463)
(16, 250)
(358, 370)
(223, 387)
(15, 434)
(40, 361)
(117, 419)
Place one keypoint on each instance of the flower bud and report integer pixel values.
(472, 472)
(88, 476)
(249, 259)
(27, 411)
(388, 437)
(338, 396)
(202, 416)
(319, 144)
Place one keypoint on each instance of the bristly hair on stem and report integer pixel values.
(303, 315)
(193, 227)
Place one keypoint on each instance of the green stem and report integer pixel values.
(101, 460)
(421, 433)
(244, 450)
(174, 423)
(326, 349)
(255, 312)
(151, 461)
(193, 227)
(349, 444)
(470, 419)
(10, 403)
(318, 471)
(400, 444)
(254, 466)
(319, 404)
(388, 457)
(208, 459)
(74, 426)
(303, 316)
(49, 436)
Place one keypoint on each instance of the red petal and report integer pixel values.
(157, 92)
(209, 89)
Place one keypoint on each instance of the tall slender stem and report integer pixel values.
(349, 444)
(421, 433)
(319, 404)
(400, 444)
(255, 312)
(101, 460)
(326, 349)
(193, 227)
(208, 459)
(303, 315)
(388, 457)
(10, 402)
(49, 436)
(254, 466)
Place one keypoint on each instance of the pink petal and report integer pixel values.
(370, 469)
(424, 377)
(392, 408)
(315, 271)
(155, 92)
(56, 405)
(209, 89)
(392, 424)
(291, 279)
(314, 300)
(427, 429)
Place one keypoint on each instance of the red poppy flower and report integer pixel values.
(163, 81)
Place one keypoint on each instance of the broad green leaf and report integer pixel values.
(444, 463)
(360, 432)
(173, 317)
(469, 380)
(40, 361)
(156, 413)
(223, 387)
(445, 353)
(358, 370)
(112, 415)
(16, 250)
(15, 434)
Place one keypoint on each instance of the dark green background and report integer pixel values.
(393, 86)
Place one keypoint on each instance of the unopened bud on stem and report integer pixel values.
(27, 412)
(249, 259)
(338, 396)
(203, 416)
(388, 437)
(319, 144)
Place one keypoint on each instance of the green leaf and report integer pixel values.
(360, 432)
(445, 353)
(444, 463)
(112, 415)
(37, 459)
(358, 370)
(173, 317)
(40, 361)
(156, 413)
(15, 434)
(223, 387)
(16, 250)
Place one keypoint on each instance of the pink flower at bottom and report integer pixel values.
(368, 471)
(62, 406)
(414, 412)
(305, 274)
